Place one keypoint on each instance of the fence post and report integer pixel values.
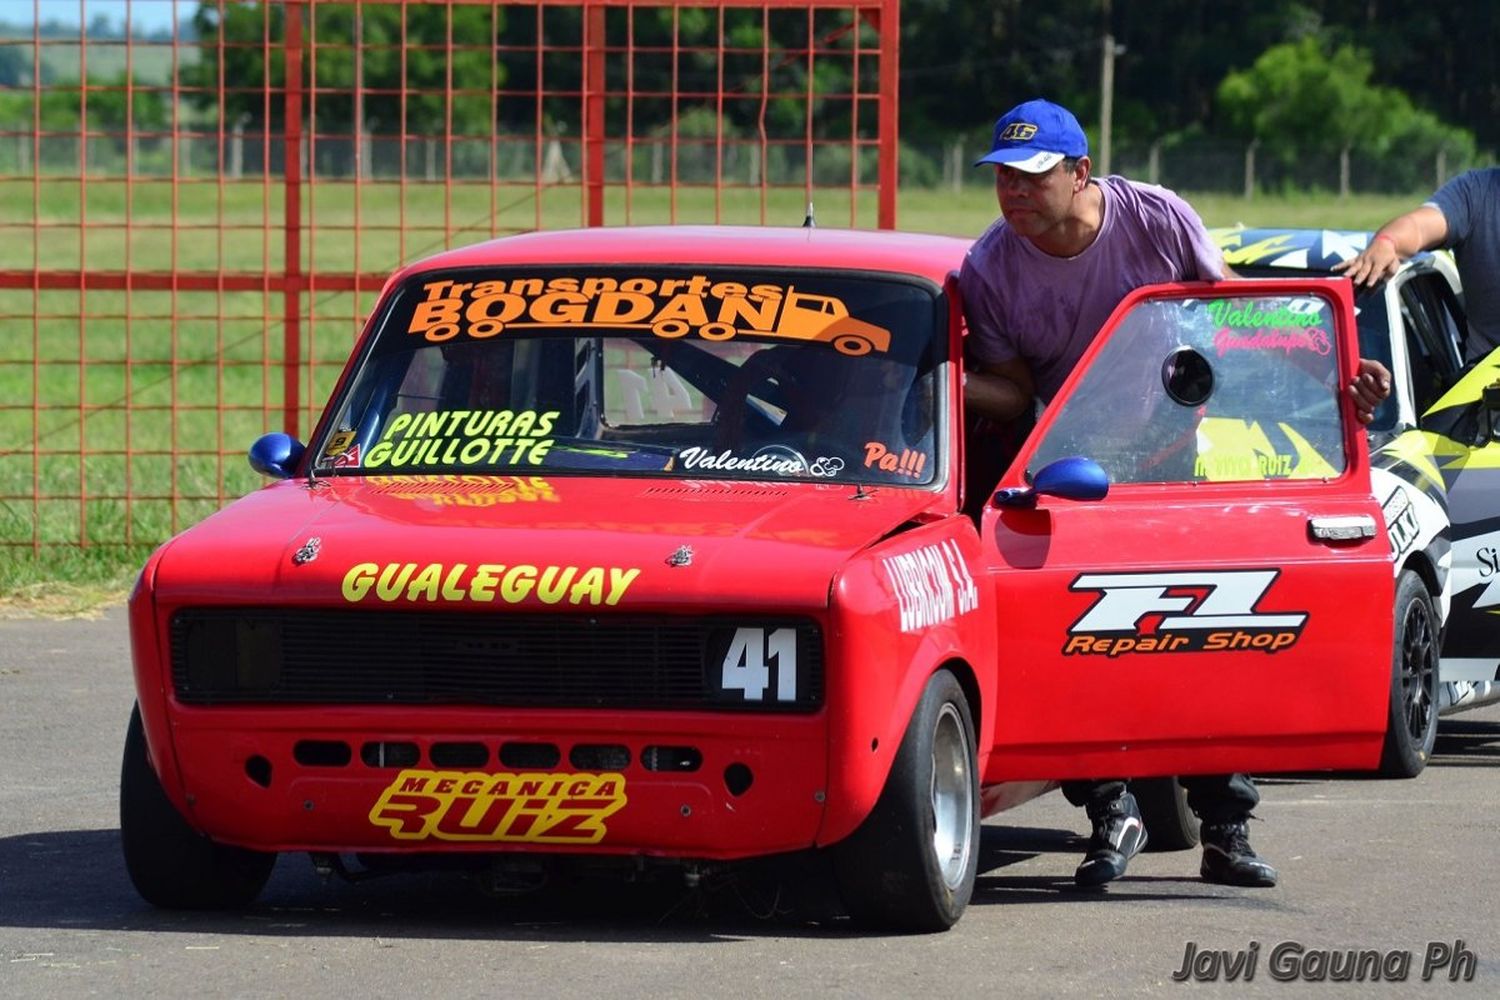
(957, 160)
(237, 147)
(1153, 163)
(1250, 169)
(1441, 167)
(593, 112)
(292, 146)
(364, 149)
(890, 79)
(1344, 173)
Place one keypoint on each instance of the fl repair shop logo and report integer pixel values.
(1187, 611)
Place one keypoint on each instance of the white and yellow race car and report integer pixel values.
(1435, 446)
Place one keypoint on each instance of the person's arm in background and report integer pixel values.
(1420, 229)
(1000, 391)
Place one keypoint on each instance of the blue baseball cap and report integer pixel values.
(1035, 137)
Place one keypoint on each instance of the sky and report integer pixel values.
(146, 16)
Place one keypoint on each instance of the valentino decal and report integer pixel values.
(773, 459)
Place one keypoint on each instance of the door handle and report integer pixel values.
(1344, 528)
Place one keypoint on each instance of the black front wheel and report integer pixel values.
(911, 865)
(171, 864)
(1411, 727)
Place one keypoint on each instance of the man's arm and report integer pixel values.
(1420, 229)
(1001, 391)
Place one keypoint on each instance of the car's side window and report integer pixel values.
(1449, 324)
(1433, 339)
(1208, 390)
(1454, 324)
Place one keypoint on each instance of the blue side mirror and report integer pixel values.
(276, 455)
(1073, 478)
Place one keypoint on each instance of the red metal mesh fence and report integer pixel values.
(198, 201)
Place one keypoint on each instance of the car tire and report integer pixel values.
(911, 864)
(1411, 725)
(1170, 824)
(172, 865)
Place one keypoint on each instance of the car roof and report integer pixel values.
(1291, 248)
(920, 254)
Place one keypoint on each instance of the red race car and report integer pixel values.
(651, 545)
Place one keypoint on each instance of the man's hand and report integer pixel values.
(1420, 229)
(1374, 264)
(1369, 388)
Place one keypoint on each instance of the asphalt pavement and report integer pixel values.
(1397, 877)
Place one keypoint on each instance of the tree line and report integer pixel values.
(1299, 77)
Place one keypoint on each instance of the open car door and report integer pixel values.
(1228, 605)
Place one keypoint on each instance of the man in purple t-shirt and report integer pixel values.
(1040, 282)
(1036, 287)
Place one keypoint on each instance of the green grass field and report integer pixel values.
(119, 427)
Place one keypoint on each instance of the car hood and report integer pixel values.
(570, 544)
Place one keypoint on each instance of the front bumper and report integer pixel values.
(671, 784)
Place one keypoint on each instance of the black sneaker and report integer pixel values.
(1228, 858)
(1118, 836)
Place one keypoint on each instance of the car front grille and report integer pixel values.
(223, 656)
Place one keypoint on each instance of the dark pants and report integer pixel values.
(989, 448)
(1213, 798)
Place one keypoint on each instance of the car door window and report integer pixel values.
(1228, 388)
(1433, 338)
(1373, 322)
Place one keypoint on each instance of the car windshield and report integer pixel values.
(696, 373)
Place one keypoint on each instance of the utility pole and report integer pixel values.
(1106, 89)
(1106, 102)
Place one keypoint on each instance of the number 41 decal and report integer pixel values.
(746, 663)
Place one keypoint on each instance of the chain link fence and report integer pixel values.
(1212, 165)
(248, 154)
